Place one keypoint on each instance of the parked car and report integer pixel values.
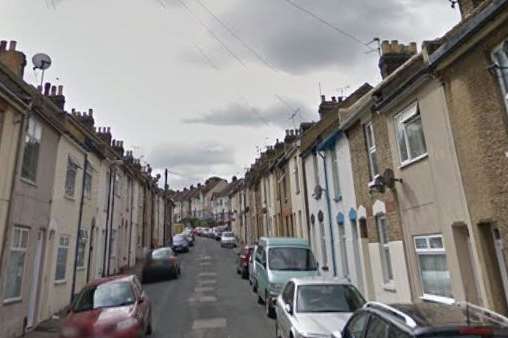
(315, 306)
(113, 307)
(252, 269)
(180, 244)
(227, 240)
(242, 266)
(161, 264)
(217, 235)
(424, 320)
(189, 236)
(278, 260)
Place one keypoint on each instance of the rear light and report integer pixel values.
(476, 331)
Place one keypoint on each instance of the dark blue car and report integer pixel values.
(180, 244)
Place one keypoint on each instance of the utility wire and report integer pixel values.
(206, 57)
(211, 32)
(327, 23)
(235, 35)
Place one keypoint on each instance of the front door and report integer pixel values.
(36, 273)
(357, 257)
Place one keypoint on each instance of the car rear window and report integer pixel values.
(162, 253)
(291, 259)
(113, 294)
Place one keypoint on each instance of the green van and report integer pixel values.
(277, 260)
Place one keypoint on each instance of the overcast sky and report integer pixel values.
(198, 86)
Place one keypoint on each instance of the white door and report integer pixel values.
(34, 292)
(498, 242)
(357, 257)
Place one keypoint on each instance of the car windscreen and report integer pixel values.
(162, 253)
(227, 234)
(105, 295)
(291, 259)
(328, 298)
(179, 238)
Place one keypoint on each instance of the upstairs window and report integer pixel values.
(371, 150)
(70, 177)
(31, 151)
(88, 181)
(500, 56)
(410, 135)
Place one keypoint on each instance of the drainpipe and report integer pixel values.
(130, 225)
(111, 220)
(78, 234)
(24, 118)
(104, 258)
(90, 250)
(329, 207)
(304, 174)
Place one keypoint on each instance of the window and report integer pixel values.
(343, 250)
(297, 176)
(377, 328)
(16, 267)
(500, 56)
(386, 261)
(61, 258)
(315, 164)
(70, 177)
(82, 249)
(324, 256)
(433, 265)
(265, 192)
(88, 181)
(394, 332)
(31, 151)
(335, 174)
(356, 326)
(410, 135)
(371, 150)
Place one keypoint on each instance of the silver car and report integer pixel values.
(315, 307)
(228, 240)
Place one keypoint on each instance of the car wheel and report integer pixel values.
(270, 313)
(260, 300)
(254, 287)
(245, 274)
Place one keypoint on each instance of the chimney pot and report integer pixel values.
(12, 45)
(334, 99)
(47, 87)
(108, 130)
(323, 98)
(60, 90)
(90, 112)
(53, 90)
(3, 45)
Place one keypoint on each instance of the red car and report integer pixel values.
(113, 307)
(243, 261)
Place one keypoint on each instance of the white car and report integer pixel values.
(228, 240)
(315, 306)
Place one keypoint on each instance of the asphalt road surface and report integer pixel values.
(209, 300)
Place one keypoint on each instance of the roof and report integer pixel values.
(320, 280)
(435, 316)
(104, 280)
(284, 241)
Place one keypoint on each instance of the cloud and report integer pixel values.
(298, 43)
(191, 155)
(245, 115)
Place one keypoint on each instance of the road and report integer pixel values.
(210, 300)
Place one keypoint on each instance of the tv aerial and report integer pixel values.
(41, 61)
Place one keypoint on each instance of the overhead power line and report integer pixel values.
(211, 32)
(235, 35)
(207, 59)
(329, 24)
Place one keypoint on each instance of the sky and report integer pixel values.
(201, 86)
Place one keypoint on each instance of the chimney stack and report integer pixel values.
(105, 134)
(56, 95)
(467, 7)
(394, 55)
(14, 60)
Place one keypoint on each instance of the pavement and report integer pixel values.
(209, 300)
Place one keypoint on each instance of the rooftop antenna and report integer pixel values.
(41, 61)
(343, 90)
(377, 41)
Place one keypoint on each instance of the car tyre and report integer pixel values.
(268, 307)
(260, 300)
(245, 274)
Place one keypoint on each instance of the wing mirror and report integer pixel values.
(325, 269)
(288, 308)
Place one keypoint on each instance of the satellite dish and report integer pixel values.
(389, 178)
(41, 61)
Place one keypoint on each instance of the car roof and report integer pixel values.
(319, 280)
(283, 241)
(427, 316)
(105, 280)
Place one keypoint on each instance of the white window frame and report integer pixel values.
(401, 119)
(371, 149)
(17, 246)
(82, 244)
(431, 251)
(88, 184)
(33, 135)
(71, 174)
(335, 175)
(384, 247)
(502, 71)
(343, 250)
(65, 244)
